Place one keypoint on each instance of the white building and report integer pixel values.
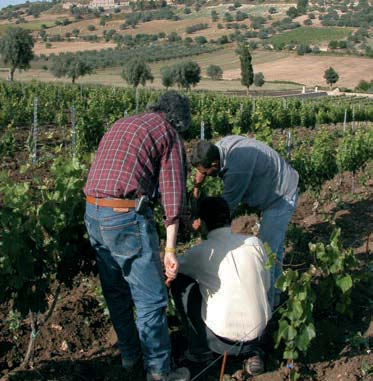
(107, 3)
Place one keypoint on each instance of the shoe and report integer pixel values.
(198, 358)
(179, 374)
(254, 365)
(198, 364)
(134, 372)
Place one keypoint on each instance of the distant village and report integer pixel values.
(106, 4)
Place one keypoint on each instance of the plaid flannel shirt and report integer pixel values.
(135, 156)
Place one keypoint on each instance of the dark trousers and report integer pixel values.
(201, 339)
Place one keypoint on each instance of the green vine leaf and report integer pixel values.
(304, 338)
(344, 282)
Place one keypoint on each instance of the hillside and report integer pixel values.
(299, 37)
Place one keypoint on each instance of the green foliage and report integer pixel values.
(261, 127)
(16, 49)
(214, 72)
(137, 72)
(302, 6)
(335, 267)
(322, 160)
(7, 143)
(70, 66)
(214, 16)
(330, 278)
(331, 76)
(307, 35)
(196, 27)
(365, 86)
(41, 231)
(186, 74)
(292, 12)
(366, 370)
(296, 325)
(259, 79)
(167, 76)
(153, 52)
(200, 40)
(247, 72)
(355, 150)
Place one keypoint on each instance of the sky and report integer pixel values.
(5, 3)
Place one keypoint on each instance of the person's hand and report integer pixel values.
(198, 181)
(196, 224)
(199, 178)
(171, 266)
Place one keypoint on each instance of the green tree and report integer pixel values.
(75, 32)
(167, 76)
(137, 72)
(16, 49)
(214, 16)
(187, 74)
(333, 44)
(302, 6)
(247, 72)
(200, 40)
(259, 79)
(70, 66)
(331, 76)
(214, 72)
(292, 12)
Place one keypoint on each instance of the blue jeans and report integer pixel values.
(272, 231)
(127, 249)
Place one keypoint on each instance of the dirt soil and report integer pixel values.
(309, 69)
(78, 343)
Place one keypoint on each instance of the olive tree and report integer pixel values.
(167, 76)
(214, 72)
(16, 49)
(70, 66)
(187, 74)
(137, 72)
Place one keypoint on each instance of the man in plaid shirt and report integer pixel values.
(138, 155)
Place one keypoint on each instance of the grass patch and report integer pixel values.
(305, 35)
(33, 25)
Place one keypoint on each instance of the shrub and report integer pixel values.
(200, 40)
(259, 79)
(333, 44)
(223, 40)
(196, 27)
(214, 72)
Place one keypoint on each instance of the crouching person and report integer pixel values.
(221, 291)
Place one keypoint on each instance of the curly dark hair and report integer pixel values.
(176, 108)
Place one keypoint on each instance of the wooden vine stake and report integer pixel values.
(223, 366)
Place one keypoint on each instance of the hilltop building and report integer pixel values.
(106, 4)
